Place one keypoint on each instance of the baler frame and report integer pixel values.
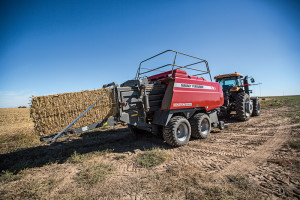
(173, 65)
(153, 103)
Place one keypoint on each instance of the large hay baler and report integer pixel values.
(171, 103)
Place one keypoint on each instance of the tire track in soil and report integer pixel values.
(221, 150)
(275, 139)
(242, 149)
(280, 176)
(230, 150)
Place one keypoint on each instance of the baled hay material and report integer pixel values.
(52, 113)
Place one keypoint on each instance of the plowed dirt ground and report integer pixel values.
(257, 159)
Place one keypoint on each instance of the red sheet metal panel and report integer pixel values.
(189, 91)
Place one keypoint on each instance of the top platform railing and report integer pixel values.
(142, 71)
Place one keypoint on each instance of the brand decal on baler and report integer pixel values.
(185, 85)
(182, 104)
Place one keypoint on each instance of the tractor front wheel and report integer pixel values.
(256, 107)
(177, 132)
(243, 106)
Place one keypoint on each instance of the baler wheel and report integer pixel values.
(200, 125)
(177, 132)
(243, 107)
(256, 107)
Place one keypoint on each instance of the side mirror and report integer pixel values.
(252, 80)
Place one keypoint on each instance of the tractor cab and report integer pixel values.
(230, 82)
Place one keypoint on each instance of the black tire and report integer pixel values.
(243, 113)
(177, 132)
(200, 125)
(256, 107)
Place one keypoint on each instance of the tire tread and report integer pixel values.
(169, 130)
(256, 110)
(240, 106)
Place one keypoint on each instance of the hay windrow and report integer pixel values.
(52, 113)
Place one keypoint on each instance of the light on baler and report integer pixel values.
(123, 104)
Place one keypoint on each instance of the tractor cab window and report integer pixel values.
(238, 82)
(228, 83)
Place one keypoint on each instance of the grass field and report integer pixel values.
(249, 160)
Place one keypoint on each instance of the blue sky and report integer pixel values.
(50, 47)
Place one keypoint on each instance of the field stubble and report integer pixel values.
(248, 160)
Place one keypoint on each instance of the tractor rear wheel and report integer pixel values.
(200, 125)
(243, 106)
(177, 132)
(256, 107)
